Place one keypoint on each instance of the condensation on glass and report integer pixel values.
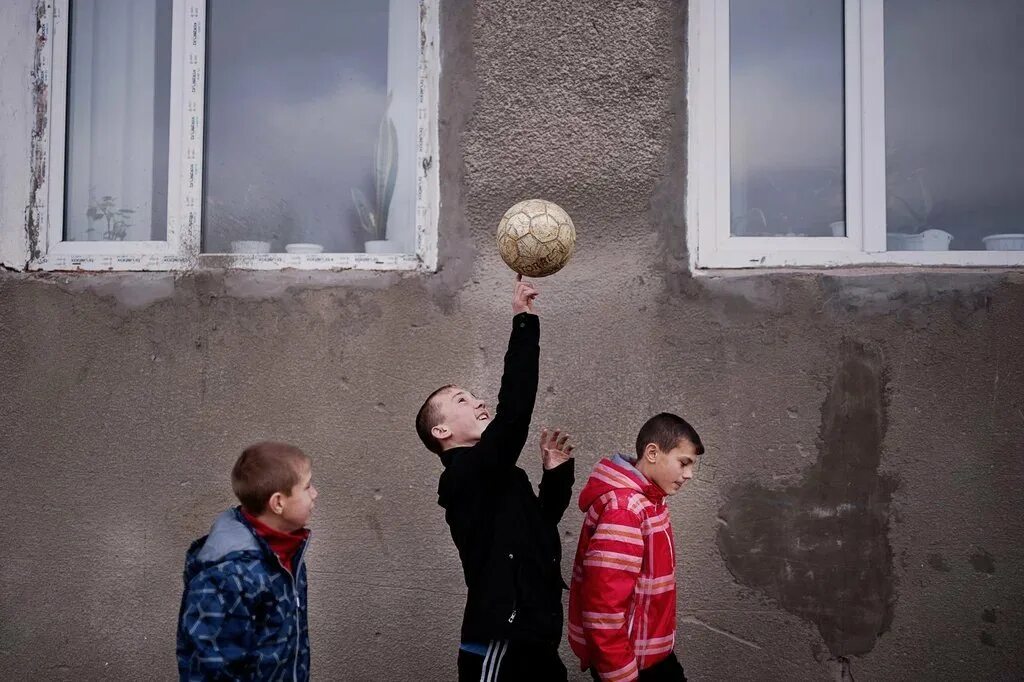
(309, 116)
(954, 124)
(310, 126)
(787, 163)
(119, 72)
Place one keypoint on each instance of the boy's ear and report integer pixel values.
(441, 432)
(651, 452)
(276, 503)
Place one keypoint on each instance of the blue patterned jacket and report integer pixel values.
(243, 616)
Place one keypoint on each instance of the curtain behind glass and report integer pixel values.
(117, 120)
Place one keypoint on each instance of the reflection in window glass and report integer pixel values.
(954, 124)
(117, 120)
(303, 144)
(786, 110)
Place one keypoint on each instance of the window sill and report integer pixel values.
(262, 262)
(896, 261)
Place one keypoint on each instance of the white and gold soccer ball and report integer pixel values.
(536, 238)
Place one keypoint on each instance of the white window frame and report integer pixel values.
(182, 248)
(712, 245)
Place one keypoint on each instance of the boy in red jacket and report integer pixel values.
(622, 602)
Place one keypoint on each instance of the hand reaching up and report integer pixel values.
(554, 449)
(522, 299)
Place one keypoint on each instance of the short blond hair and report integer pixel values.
(264, 469)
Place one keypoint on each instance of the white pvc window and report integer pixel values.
(831, 132)
(241, 133)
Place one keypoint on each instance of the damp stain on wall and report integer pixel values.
(820, 548)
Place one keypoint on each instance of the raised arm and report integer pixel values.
(503, 439)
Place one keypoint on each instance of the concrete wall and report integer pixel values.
(857, 510)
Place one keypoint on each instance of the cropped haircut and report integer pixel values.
(666, 430)
(264, 469)
(428, 417)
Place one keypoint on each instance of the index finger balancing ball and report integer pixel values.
(536, 238)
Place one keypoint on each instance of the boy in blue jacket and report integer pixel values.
(243, 611)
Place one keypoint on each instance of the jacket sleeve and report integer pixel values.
(503, 439)
(215, 635)
(611, 568)
(556, 490)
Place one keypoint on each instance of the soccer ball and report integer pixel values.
(536, 238)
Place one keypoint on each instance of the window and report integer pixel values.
(829, 133)
(241, 133)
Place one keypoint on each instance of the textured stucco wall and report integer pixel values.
(864, 428)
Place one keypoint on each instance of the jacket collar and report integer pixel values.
(618, 473)
(231, 532)
(448, 456)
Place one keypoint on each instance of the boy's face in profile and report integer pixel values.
(465, 417)
(670, 469)
(298, 503)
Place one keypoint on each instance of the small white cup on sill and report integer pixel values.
(250, 246)
(304, 248)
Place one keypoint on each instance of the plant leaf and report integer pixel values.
(366, 215)
(386, 171)
(390, 174)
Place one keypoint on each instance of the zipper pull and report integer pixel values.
(513, 616)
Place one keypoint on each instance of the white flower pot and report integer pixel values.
(381, 246)
(304, 248)
(1004, 242)
(928, 240)
(250, 246)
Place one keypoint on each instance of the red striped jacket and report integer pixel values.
(622, 601)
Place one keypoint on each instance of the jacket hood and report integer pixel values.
(227, 535)
(617, 473)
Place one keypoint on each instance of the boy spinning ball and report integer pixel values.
(506, 535)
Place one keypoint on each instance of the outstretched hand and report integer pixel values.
(554, 449)
(522, 299)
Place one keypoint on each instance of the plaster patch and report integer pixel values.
(131, 291)
(888, 293)
(277, 283)
(821, 548)
(983, 562)
(938, 562)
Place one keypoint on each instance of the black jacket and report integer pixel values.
(506, 535)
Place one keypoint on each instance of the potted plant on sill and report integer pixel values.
(909, 209)
(374, 215)
(118, 220)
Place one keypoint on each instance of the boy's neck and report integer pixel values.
(461, 445)
(645, 471)
(274, 522)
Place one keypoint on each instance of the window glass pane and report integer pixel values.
(954, 124)
(117, 120)
(310, 125)
(786, 118)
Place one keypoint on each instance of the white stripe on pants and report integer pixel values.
(492, 660)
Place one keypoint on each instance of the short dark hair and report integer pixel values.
(428, 417)
(666, 430)
(264, 469)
